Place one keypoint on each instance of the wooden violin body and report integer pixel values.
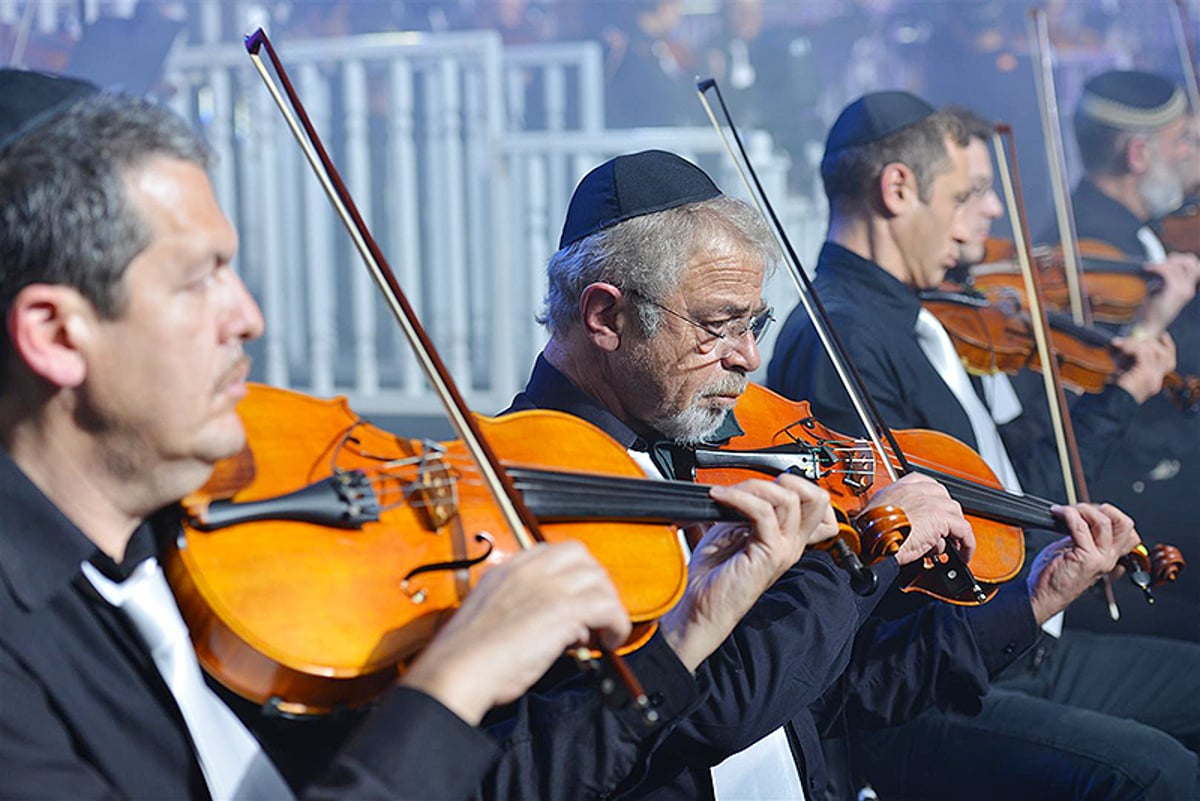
(314, 616)
(784, 434)
(994, 335)
(1180, 231)
(1115, 287)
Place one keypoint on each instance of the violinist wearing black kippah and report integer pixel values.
(122, 365)
(1062, 722)
(654, 308)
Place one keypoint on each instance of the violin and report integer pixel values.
(1180, 230)
(783, 434)
(847, 468)
(314, 565)
(1115, 286)
(389, 535)
(995, 335)
(516, 518)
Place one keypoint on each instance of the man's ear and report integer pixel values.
(47, 325)
(1137, 154)
(897, 187)
(600, 308)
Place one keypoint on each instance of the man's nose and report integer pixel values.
(959, 230)
(994, 208)
(743, 353)
(244, 319)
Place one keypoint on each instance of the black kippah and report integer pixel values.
(1129, 99)
(874, 116)
(630, 186)
(29, 98)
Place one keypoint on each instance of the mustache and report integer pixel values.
(730, 384)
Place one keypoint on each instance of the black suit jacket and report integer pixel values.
(875, 316)
(782, 664)
(84, 713)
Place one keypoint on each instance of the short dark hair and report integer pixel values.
(64, 215)
(851, 173)
(976, 125)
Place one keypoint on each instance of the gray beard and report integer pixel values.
(696, 423)
(691, 426)
(1161, 189)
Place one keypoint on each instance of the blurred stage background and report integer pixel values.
(462, 126)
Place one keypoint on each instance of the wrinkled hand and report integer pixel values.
(1100, 535)
(934, 515)
(520, 617)
(735, 562)
(1152, 360)
(1181, 275)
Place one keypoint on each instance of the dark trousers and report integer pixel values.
(1085, 717)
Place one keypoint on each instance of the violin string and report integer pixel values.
(585, 501)
(990, 502)
(975, 497)
(978, 498)
(998, 501)
(556, 486)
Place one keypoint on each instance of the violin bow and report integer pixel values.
(1187, 57)
(1064, 431)
(1043, 72)
(1064, 435)
(864, 405)
(516, 514)
(1060, 416)
(1044, 81)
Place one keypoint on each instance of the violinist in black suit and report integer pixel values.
(121, 363)
(654, 308)
(1078, 717)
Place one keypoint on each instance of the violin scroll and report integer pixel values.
(1166, 563)
(1153, 567)
(883, 530)
(872, 536)
(1183, 391)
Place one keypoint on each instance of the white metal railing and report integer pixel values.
(412, 123)
(428, 133)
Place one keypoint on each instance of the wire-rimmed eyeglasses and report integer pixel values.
(728, 333)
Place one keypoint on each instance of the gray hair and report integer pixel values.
(64, 215)
(646, 257)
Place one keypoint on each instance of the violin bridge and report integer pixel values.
(860, 466)
(853, 460)
(435, 490)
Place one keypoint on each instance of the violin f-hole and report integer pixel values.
(418, 595)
